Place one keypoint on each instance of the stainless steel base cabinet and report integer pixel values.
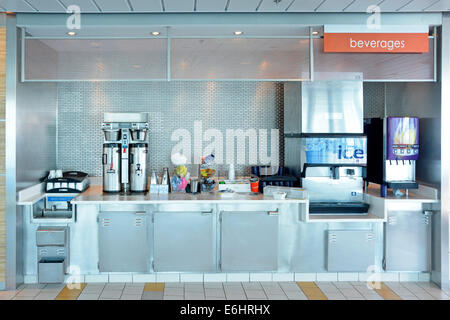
(123, 242)
(249, 241)
(407, 241)
(184, 241)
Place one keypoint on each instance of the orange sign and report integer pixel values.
(376, 42)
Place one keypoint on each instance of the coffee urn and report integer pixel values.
(138, 167)
(125, 151)
(111, 167)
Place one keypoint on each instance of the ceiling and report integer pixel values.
(160, 6)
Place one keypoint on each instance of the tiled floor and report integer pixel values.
(230, 291)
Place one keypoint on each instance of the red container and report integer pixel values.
(254, 186)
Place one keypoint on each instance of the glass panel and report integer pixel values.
(240, 59)
(82, 59)
(342, 150)
(372, 66)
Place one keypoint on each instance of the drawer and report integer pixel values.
(51, 236)
(51, 270)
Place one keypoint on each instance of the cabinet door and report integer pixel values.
(249, 241)
(184, 241)
(408, 241)
(123, 242)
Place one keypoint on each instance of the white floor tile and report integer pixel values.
(389, 276)
(167, 277)
(215, 277)
(305, 277)
(120, 278)
(329, 276)
(277, 297)
(283, 277)
(255, 294)
(260, 276)
(409, 276)
(102, 278)
(191, 277)
(214, 293)
(174, 291)
(194, 296)
(238, 277)
(144, 278)
(88, 296)
(111, 294)
(213, 285)
(350, 293)
(131, 297)
(335, 296)
(348, 276)
(173, 298)
(252, 285)
(114, 286)
(236, 296)
(342, 284)
(424, 277)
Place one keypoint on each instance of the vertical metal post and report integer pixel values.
(435, 48)
(311, 55)
(169, 48)
(445, 152)
(12, 274)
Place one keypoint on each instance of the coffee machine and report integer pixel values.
(393, 151)
(125, 151)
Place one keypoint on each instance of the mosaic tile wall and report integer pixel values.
(171, 105)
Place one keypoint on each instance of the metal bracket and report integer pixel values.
(273, 213)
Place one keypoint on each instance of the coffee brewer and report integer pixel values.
(125, 152)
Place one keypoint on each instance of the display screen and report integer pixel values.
(402, 138)
(335, 150)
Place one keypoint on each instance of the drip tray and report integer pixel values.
(334, 208)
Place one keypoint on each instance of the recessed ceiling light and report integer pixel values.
(71, 33)
(238, 33)
(156, 33)
(315, 33)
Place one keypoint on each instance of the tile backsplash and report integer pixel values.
(171, 106)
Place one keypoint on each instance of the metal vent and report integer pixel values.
(370, 237)
(61, 252)
(333, 238)
(426, 220)
(43, 251)
(106, 222)
(392, 220)
(138, 222)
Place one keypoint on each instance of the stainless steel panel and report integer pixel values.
(51, 271)
(249, 241)
(132, 117)
(51, 236)
(123, 242)
(326, 189)
(185, 241)
(36, 132)
(332, 107)
(441, 274)
(350, 250)
(408, 241)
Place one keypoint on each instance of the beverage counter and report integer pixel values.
(169, 237)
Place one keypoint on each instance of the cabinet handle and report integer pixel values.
(273, 213)
(205, 213)
(141, 213)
